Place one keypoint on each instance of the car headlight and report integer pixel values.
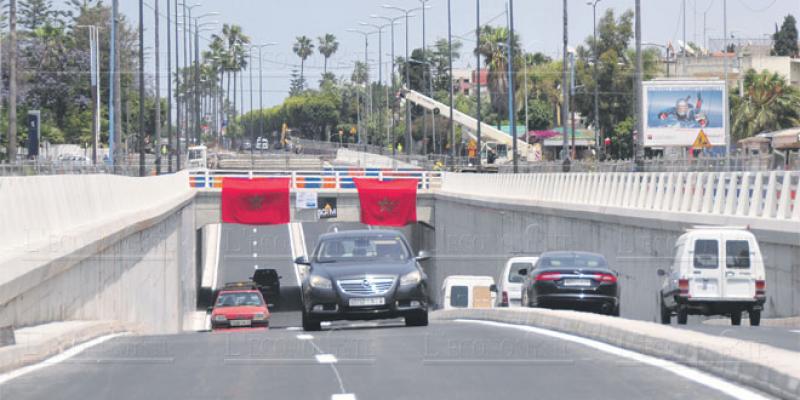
(259, 316)
(411, 278)
(220, 318)
(320, 282)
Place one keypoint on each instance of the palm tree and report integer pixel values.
(767, 104)
(235, 56)
(328, 46)
(303, 48)
(493, 47)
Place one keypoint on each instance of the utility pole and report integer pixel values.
(512, 112)
(115, 89)
(727, 105)
(408, 103)
(565, 93)
(141, 89)
(198, 136)
(685, 45)
(450, 77)
(478, 76)
(177, 92)
(157, 139)
(169, 88)
(12, 82)
(425, 79)
(638, 143)
(597, 141)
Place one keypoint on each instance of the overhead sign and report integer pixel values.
(326, 208)
(674, 111)
(701, 142)
(306, 200)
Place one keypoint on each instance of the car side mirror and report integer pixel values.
(302, 260)
(661, 272)
(423, 255)
(493, 288)
(523, 272)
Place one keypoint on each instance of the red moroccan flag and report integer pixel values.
(391, 203)
(260, 201)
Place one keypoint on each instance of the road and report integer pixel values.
(784, 338)
(373, 361)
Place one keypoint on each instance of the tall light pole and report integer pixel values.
(261, 87)
(113, 88)
(426, 78)
(597, 141)
(197, 28)
(407, 13)
(141, 89)
(169, 87)
(94, 61)
(380, 29)
(478, 76)
(450, 80)
(727, 105)
(512, 112)
(177, 93)
(366, 65)
(565, 92)
(157, 139)
(392, 22)
(638, 134)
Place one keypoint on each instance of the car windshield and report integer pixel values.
(362, 248)
(573, 261)
(239, 299)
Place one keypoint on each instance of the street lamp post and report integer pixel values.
(428, 78)
(366, 65)
(392, 22)
(380, 29)
(141, 89)
(598, 146)
(261, 87)
(407, 13)
(511, 101)
(478, 76)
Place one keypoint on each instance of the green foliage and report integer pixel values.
(768, 104)
(493, 47)
(785, 39)
(540, 115)
(622, 140)
(328, 46)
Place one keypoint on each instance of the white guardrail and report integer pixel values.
(332, 179)
(771, 195)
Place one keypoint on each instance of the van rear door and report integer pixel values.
(705, 278)
(738, 269)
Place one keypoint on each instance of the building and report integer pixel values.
(747, 56)
(465, 82)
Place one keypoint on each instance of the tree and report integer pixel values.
(540, 115)
(493, 47)
(297, 84)
(328, 46)
(359, 76)
(440, 61)
(768, 104)
(785, 39)
(303, 48)
(34, 14)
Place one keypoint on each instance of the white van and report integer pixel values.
(468, 291)
(716, 271)
(509, 286)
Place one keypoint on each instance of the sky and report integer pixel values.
(538, 22)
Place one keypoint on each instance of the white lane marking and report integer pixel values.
(344, 396)
(58, 358)
(691, 374)
(796, 331)
(255, 242)
(326, 358)
(294, 328)
(298, 247)
(255, 255)
(305, 337)
(255, 230)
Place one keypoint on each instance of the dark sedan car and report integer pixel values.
(268, 283)
(573, 280)
(364, 275)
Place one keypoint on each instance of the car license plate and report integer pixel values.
(367, 301)
(577, 282)
(240, 322)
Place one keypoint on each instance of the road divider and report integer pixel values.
(766, 368)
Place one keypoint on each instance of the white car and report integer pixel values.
(716, 271)
(468, 291)
(509, 286)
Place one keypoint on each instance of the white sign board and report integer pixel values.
(306, 200)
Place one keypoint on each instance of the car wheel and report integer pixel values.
(736, 318)
(755, 317)
(616, 311)
(309, 324)
(666, 314)
(683, 316)
(417, 319)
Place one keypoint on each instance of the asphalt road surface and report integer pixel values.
(784, 338)
(445, 360)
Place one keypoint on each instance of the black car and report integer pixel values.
(268, 282)
(364, 275)
(572, 280)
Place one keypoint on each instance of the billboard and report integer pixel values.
(676, 111)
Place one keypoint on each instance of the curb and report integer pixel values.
(766, 368)
(24, 354)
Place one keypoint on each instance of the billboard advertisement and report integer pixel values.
(676, 111)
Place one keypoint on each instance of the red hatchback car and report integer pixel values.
(239, 309)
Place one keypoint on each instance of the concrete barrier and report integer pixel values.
(772, 370)
(98, 247)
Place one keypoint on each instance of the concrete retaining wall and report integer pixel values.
(476, 235)
(132, 262)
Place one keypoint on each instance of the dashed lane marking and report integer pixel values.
(305, 337)
(326, 358)
(344, 396)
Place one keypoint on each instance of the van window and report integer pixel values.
(513, 272)
(737, 254)
(706, 254)
(459, 296)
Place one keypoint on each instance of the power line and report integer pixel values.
(757, 10)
